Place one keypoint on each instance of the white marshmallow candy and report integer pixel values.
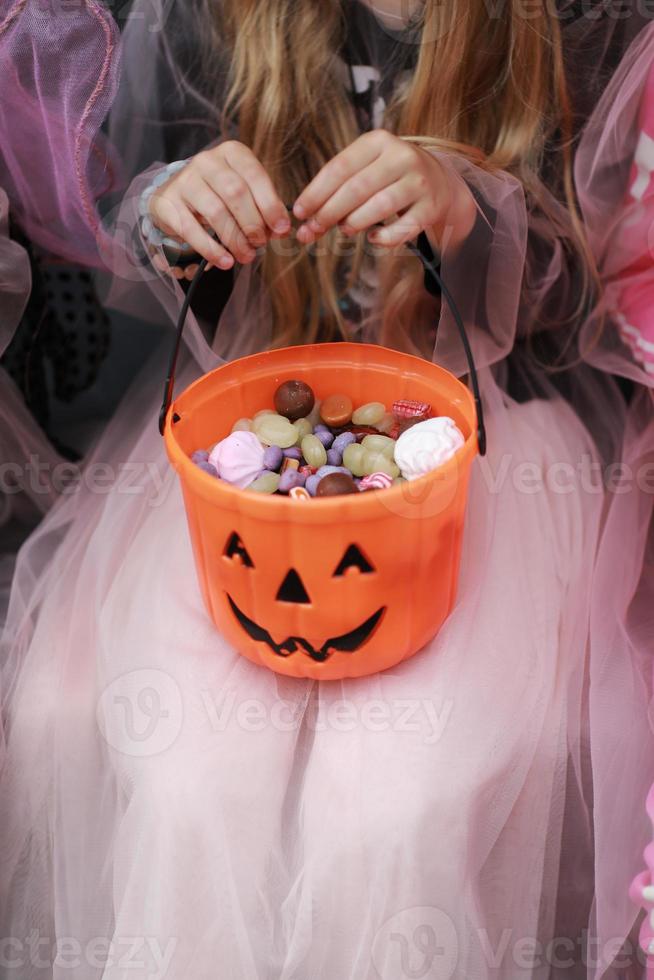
(427, 445)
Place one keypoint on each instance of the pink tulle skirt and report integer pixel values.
(171, 810)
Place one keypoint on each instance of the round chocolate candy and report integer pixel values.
(294, 400)
(336, 410)
(335, 484)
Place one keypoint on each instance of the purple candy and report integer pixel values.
(293, 453)
(272, 458)
(326, 438)
(334, 457)
(290, 479)
(207, 467)
(341, 442)
(312, 484)
(326, 470)
(200, 456)
(321, 427)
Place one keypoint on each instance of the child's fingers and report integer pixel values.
(181, 221)
(347, 198)
(334, 174)
(404, 229)
(268, 202)
(233, 191)
(210, 208)
(385, 204)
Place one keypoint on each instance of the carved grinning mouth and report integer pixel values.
(348, 643)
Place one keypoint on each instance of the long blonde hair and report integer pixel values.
(500, 88)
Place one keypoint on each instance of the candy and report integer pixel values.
(308, 470)
(238, 458)
(313, 451)
(341, 442)
(294, 400)
(335, 484)
(289, 480)
(200, 456)
(326, 438)
(376, 481)
(272, 458)
(264, 411)
(266, 483)
(426, 446)
(361, 431)
(294, 452)
(369, 414)
(299, 493)
(303, 427)
(312, 484)
(243, 425)
(275, 430)
(334, 457)
(290, 464)
(336, 410)
(321, 427)
(207, 467)
(326, 470)
(379, 444)
(375, 462)
(405, 409)
(353, 459)
(386, 424)
(314, 415)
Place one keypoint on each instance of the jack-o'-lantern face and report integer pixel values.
(292, 593)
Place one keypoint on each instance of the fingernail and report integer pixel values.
(650, 948)
(226, 262)
(648, 893)
(299, 211)
(316, 227)
(282, 226)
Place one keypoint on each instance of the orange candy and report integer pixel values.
(336, 410)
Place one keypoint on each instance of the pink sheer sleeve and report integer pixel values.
(54, 163)
(614, 174)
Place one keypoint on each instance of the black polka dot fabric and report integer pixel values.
(62, 340)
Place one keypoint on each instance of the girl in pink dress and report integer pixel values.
(168, 809)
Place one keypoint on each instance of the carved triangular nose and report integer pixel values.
(292, 589)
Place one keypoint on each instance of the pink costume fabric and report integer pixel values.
(168, 809)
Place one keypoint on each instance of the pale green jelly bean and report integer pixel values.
(386, 424)
(313, 451)
(379, 444)
(375, 462)
(304, 427)
(353, 459)
(264, 411)
(275, 430)
(369, 414)
(267, 483)
(243, 425)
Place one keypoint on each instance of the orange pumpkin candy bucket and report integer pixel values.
(333, 587)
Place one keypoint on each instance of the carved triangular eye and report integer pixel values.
(236, 547)
(353, 558)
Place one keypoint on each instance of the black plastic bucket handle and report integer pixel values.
(432, 271)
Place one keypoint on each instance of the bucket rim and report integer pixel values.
(217, 490)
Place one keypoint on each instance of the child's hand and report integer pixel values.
(228, 190)
(379, 177)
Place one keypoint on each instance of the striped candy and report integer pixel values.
(299, 493)
(376, 481)
(411, 410)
